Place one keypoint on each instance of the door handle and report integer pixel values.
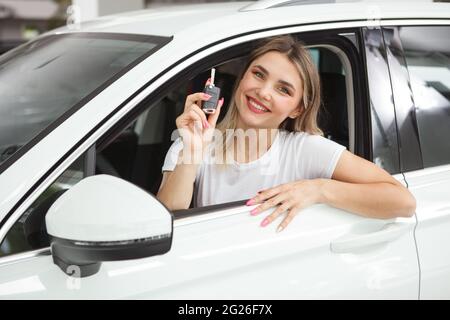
(388, 233)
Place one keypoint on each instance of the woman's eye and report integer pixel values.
(285, 90)
(258, 74)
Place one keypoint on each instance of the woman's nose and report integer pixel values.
(264, 93)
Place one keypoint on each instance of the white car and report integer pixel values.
(87, 113)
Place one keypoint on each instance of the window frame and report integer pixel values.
(410, 151)
(362, 134)
(321, 38)
(375, 108)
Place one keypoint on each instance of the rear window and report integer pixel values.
(53, 76)
(427, 54)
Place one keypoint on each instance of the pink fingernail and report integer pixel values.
(205, 124)
(265, 222)
(207, 96)
(254, 212)
(250, 202)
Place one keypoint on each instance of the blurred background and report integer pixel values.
(22, 20)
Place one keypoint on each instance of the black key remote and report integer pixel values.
(210, 105)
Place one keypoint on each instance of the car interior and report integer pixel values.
(138, 153)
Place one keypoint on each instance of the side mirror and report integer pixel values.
(103, 218)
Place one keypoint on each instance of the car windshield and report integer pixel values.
(43, 81)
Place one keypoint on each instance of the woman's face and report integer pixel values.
(269, 92)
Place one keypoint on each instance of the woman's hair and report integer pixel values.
(300, 57)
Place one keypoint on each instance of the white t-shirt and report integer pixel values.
(292, 156)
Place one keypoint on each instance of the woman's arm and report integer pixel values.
(196, 130)
(357, 185)
(177, 187)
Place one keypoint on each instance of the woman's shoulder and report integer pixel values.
(306, 140)
(297, 137)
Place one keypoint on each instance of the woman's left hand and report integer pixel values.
(291, 197)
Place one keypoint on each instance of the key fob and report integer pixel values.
(210, 105)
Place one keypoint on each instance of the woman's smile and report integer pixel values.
(256, 106)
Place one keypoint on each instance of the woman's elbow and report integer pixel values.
(161, 199)
(164, 200)
(408, 205)
(412, 206)
(171, 203)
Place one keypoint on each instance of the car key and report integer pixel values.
(210, 105)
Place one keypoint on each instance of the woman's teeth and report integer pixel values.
(257, 106)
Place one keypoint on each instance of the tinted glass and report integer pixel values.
(384, 129)
(41, 80)
(408, 136)
(427, 53)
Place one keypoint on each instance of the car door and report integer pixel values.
(426, 51)
(221, 252)
(226, 255)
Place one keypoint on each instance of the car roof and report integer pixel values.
(201, 18)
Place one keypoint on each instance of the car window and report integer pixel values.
(427, 54)
(29, 231)
(42, 80)
(136, 152)
(135, 148)
(384, 128)
(408, 137)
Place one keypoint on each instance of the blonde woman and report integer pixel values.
(290, 166)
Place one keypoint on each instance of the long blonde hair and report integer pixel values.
(311, 100)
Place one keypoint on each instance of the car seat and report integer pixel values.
(333, 117)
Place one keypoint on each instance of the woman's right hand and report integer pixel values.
(195, 128)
